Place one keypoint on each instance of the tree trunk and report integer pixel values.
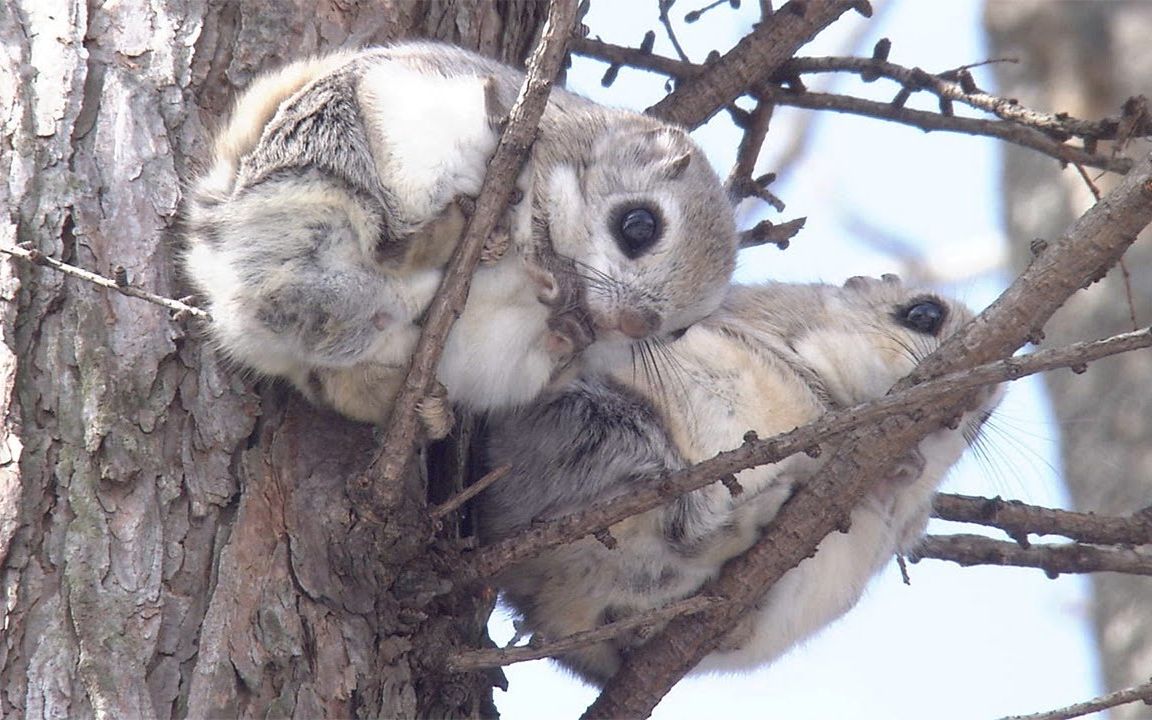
(174, 540)
(1087, 58)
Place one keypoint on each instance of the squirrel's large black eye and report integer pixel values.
(677, 334)
(926, 316)
(636, 230)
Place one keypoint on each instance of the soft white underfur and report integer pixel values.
(434, 129)
(496, 354)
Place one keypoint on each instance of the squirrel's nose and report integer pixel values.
(639, 323)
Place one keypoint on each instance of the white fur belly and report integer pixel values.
(495, 355)
(431, 135)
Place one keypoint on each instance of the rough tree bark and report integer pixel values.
(1087, 58)
(175, 541)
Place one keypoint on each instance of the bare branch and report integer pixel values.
(38, 258)
(1021, 126)
(478, 659)
(377, 490)
(633, 57)
(1058, 126)
(758, 55)
(969, 550)
(1012, 132)
(1092, 245)
(665, 6)
(766, 231)
(1120, 697)
(1020, 521)
(644, 497)
(454, 502)
(740, 183)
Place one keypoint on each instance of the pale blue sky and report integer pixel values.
(961, 643)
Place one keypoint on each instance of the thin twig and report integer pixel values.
(454, 502)
(969, 550)
(665, 6)
(497, 657)
(1009, 131)
(1019, 520)
(1120, 697)
(740, 183)
(38, 258)
(654, 493)
(1058, 125)
(378, 490)
(766, 231)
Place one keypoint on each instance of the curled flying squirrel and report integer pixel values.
(319, 234)
(772, 358)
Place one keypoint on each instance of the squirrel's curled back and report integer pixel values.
(319, 233)
(772, 358)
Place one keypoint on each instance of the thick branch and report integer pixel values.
(38, 258)
(647, 496)
(969, 550)
(1120, 697)
(1020, 521)
(378, 489)
(757, 56)
(479, 659)
(1092, 245)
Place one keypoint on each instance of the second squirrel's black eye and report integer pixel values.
(926, 316)
(636, 229)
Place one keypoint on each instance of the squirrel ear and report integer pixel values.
(675, 145)
(669, 149)
(678, 165)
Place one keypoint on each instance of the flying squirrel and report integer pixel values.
(319, 233)
(773, 357)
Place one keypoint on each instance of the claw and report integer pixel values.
(496, 246)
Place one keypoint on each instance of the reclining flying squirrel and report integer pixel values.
(772, 358)
(319, 234)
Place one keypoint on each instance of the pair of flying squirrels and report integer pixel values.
(319, 235)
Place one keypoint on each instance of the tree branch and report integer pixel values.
(1009, 131)
(1120, 697)
(1060, 125)
(766, 231)
(1019, 521)
(1019, 125)
(646, 496)
(969, 550)
(377, 490)
(497, 657)
(1092, 245)
(453, 503)
(38, 258)
(758, 55)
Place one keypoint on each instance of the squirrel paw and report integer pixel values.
(496, 246)
(467, 205)
(436, 413)
(568, 334)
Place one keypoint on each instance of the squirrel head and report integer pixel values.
(648, 227)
